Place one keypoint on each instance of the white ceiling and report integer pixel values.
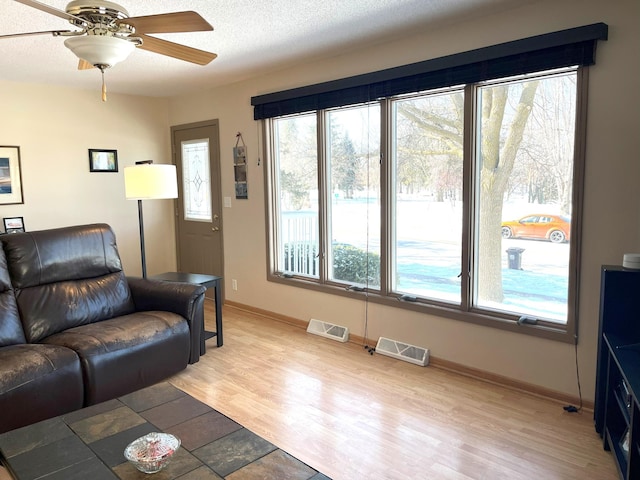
(250, 37)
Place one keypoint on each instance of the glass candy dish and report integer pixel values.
(152, 452)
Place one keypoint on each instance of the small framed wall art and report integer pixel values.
(13, 224)
(101, 160)
(10, 176)
(240, 171)
(240, 167)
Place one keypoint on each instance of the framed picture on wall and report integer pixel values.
(240, 170)
(101, 160)
(10, 176)
(13, 224)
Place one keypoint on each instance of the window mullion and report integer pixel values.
(274, 224)
(323, 204)
(386, 196)
(469, 177)
(582, 79)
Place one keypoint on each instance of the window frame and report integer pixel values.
(383, 295)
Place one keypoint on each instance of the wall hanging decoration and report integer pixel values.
(13, 224)
(10, 176)
(103, 160)
(240, 167)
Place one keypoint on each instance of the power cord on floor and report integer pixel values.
(573, 408)
(365, 289)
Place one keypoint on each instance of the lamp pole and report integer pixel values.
(141, 222)
(144, 261)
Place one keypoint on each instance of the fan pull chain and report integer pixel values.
(104, 87)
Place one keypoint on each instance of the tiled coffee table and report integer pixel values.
(89, 443)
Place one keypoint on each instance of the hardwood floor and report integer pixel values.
(355, 416)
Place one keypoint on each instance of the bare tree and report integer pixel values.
(497, 159)
(500, 141)
(297, 161)
(430, 144)
(345, 164)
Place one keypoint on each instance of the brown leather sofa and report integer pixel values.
(75, 331)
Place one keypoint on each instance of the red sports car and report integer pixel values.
(555, 228)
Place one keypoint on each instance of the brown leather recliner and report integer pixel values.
(75, 331)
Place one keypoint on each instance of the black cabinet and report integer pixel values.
(617, 406)
(621, 424)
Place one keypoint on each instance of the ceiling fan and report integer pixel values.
(105, 34)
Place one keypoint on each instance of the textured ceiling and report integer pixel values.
(250, 37)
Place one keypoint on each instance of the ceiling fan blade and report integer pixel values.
(84, 65)
(176, 50)
(168, 23)
(55, 33)
(52, 10)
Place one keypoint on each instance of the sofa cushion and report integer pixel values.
(10, 327)
(37, 382)
(124, 354)
(59, 254)
(49, 309)
(66, 277)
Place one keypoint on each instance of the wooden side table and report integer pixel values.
(208, 281)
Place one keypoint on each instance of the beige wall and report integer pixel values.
(612, 197)
(54, 128)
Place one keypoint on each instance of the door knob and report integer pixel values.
(215, 229)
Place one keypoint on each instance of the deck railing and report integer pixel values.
(300, 242)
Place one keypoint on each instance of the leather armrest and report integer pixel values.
(185, 299)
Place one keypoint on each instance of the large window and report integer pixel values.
(451, 186)
(524, 189)
(497, 198)
(426, 217)
(296, 184)
(353, 214)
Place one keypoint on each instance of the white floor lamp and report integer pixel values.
(146, 181)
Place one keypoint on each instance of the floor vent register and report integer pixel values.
(328, 330)
(403, 351)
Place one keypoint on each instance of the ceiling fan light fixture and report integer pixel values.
(100, 49)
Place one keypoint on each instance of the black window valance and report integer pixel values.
(575, 46)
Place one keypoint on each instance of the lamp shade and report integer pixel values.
(100, 49)
(149, 181)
